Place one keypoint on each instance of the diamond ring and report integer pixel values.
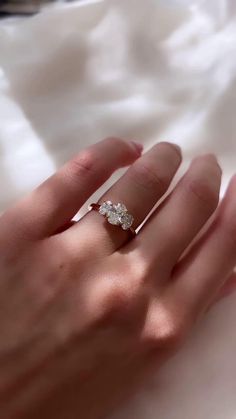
(116, 214)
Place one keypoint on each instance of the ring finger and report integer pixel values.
(139, 189)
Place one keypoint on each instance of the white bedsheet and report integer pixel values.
(148, 70)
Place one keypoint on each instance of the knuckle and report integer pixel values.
(140, 270)
(144, 272)
(147, 176)
(83, 164)
(117, 299)
(168, 331)
(122, 299)
(205, 192)
(116, 306)
(116, 295)
(173, 335)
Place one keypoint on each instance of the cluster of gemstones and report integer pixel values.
(117, 214)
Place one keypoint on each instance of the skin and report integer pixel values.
(85, 312)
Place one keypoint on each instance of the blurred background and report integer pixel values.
(24, 7)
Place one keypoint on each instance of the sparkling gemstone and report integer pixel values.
(116, 214)
(114, 218)
(126, 221)
(105, 207)
(120, 208)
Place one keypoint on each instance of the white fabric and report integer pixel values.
(147, 70)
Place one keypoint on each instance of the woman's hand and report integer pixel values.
(84, 311)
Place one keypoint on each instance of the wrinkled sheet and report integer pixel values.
(148, 70)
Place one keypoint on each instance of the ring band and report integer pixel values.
(116, 214)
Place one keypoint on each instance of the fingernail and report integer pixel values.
(138, 147)
(210, 157)
(178, 148)
(174, 146)
(207, 156)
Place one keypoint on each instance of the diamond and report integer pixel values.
(126, 221)
(114, 218)
(105, 208)
(116, 214)
(120, 208)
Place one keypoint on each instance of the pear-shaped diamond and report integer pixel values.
(126, 221)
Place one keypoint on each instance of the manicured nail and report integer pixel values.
(138, 147)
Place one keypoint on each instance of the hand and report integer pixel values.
(85, 311)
